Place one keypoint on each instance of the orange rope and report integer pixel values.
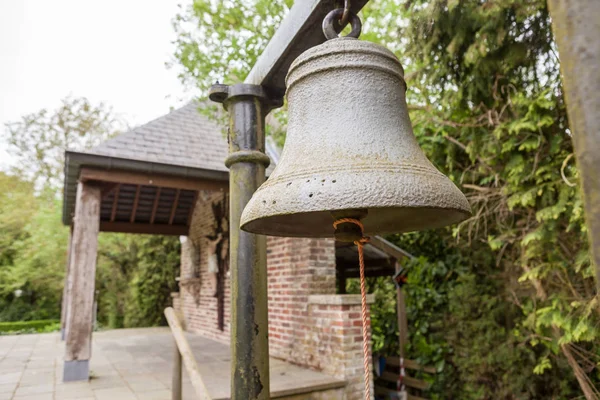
(363, 297)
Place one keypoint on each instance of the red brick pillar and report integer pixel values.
(334, 339)
(297, 269)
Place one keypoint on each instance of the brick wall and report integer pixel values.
(297, 268)
(334, 342)
(198, 304)
(309, 324)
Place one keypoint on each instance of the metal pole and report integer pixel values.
(247, 106)
(576, 26)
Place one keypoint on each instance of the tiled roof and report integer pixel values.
(184, 142)
(183, 137)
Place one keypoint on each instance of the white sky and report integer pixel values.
(111, 50)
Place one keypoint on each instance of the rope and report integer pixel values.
(363, 297)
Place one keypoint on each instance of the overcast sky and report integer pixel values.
(111, 50)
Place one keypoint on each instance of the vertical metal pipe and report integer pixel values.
(247, 106)
(576, 26)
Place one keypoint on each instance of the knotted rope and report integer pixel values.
(363, 298)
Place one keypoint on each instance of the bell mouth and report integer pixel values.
(396, 200)
(383, 220)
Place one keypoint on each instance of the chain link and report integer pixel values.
(346, 14)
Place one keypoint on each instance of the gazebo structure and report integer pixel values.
(168, 177)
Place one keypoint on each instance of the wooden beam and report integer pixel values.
(341, 275)
(408, 381)
(192, 208)
(187, 355)
(155, 229)
(299, 31)
(176, 379)
(394, 361)
(369, 272)
(413, 397)
(65, 296)
(113, 212)
(402, 318)
(369, 263)
(372, 274)
(174, 207)
(108, 188)
(389, 248)
(82, 275)
(155, 205)
(135, 203)
(150, 179)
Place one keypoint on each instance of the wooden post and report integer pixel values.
(342, 280)
(402, 320)
(82, 275)
(576, 28)
(176, 382)
(65, 295)
(187, 355)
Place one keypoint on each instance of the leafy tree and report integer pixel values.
(490, 112)
(38, 141)
(135, 274)
(16, 203)
(31, 280)
(153, 281)
(504, 304)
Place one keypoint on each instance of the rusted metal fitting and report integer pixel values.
(333, 21)
(225, 94)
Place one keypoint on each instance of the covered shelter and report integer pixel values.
(143, 181)
(160, 178)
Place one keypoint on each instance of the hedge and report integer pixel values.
(44, 325)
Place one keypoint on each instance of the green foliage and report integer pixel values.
(16, 203)
(38, 141)
(494, 302)
(153, 281)
(32, 279)
(384, 322)
(221, 40)
(491, 115)
(38, 326)
(135, 274)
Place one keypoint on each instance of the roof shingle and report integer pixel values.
(183, 137)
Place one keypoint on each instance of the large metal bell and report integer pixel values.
(350, 152)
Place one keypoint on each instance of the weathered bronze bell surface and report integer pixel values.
(350, 146)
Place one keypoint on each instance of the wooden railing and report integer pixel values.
(183, 355)
(388, 378)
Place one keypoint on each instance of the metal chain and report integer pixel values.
(346, 14)
(363, 300)
(331, 23)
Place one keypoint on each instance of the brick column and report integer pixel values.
(333, 340)
(297, 269)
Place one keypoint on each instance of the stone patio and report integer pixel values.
(136, 364)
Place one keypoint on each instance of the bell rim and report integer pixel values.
(251, 224)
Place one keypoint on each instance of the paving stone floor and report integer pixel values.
(130, 364)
